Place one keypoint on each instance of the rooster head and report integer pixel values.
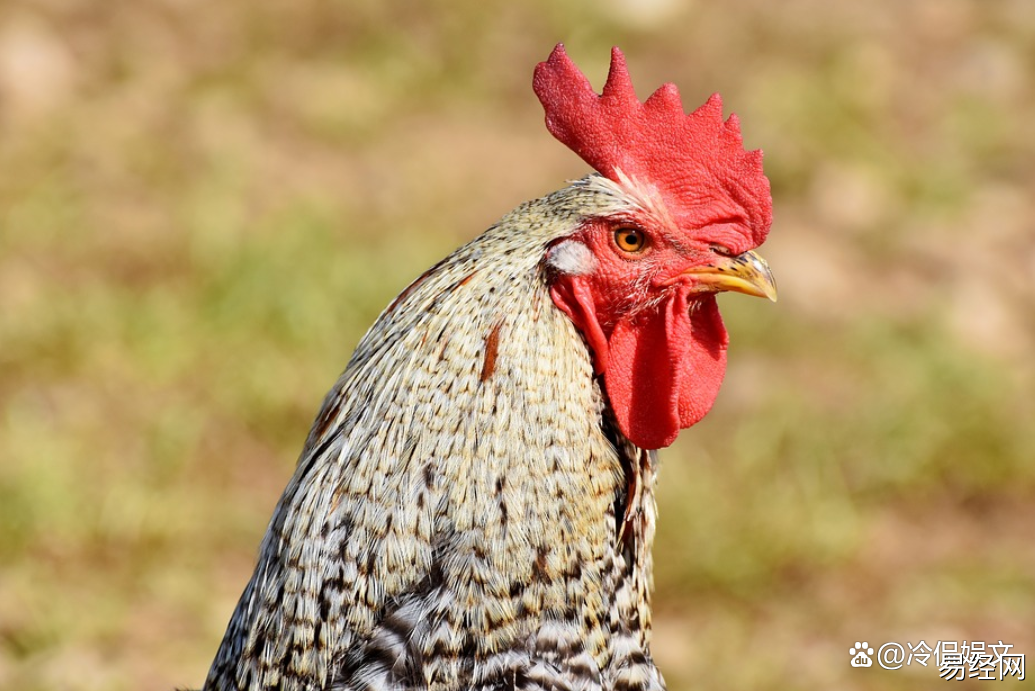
(639, 277)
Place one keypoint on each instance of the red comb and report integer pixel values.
(697, 162)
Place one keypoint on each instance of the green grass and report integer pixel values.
(202, 208)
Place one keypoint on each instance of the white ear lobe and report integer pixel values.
(572, 258)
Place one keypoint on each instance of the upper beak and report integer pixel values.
(745, 273)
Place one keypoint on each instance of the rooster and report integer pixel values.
(474, 505)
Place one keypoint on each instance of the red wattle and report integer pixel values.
(662, 366)
(665, 368)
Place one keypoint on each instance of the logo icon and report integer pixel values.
(861, 654)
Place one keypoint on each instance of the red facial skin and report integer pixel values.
(656, 336)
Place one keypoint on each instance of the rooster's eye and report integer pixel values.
(630, 239)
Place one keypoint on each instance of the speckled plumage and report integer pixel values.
(466, 513)
(474, 507)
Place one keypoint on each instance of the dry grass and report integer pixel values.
(202, 205)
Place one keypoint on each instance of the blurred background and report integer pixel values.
(204, 205)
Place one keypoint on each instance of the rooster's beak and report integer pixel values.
(744, 273)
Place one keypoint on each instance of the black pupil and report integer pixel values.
(630, 238)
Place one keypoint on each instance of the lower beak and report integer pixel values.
(745, 273)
